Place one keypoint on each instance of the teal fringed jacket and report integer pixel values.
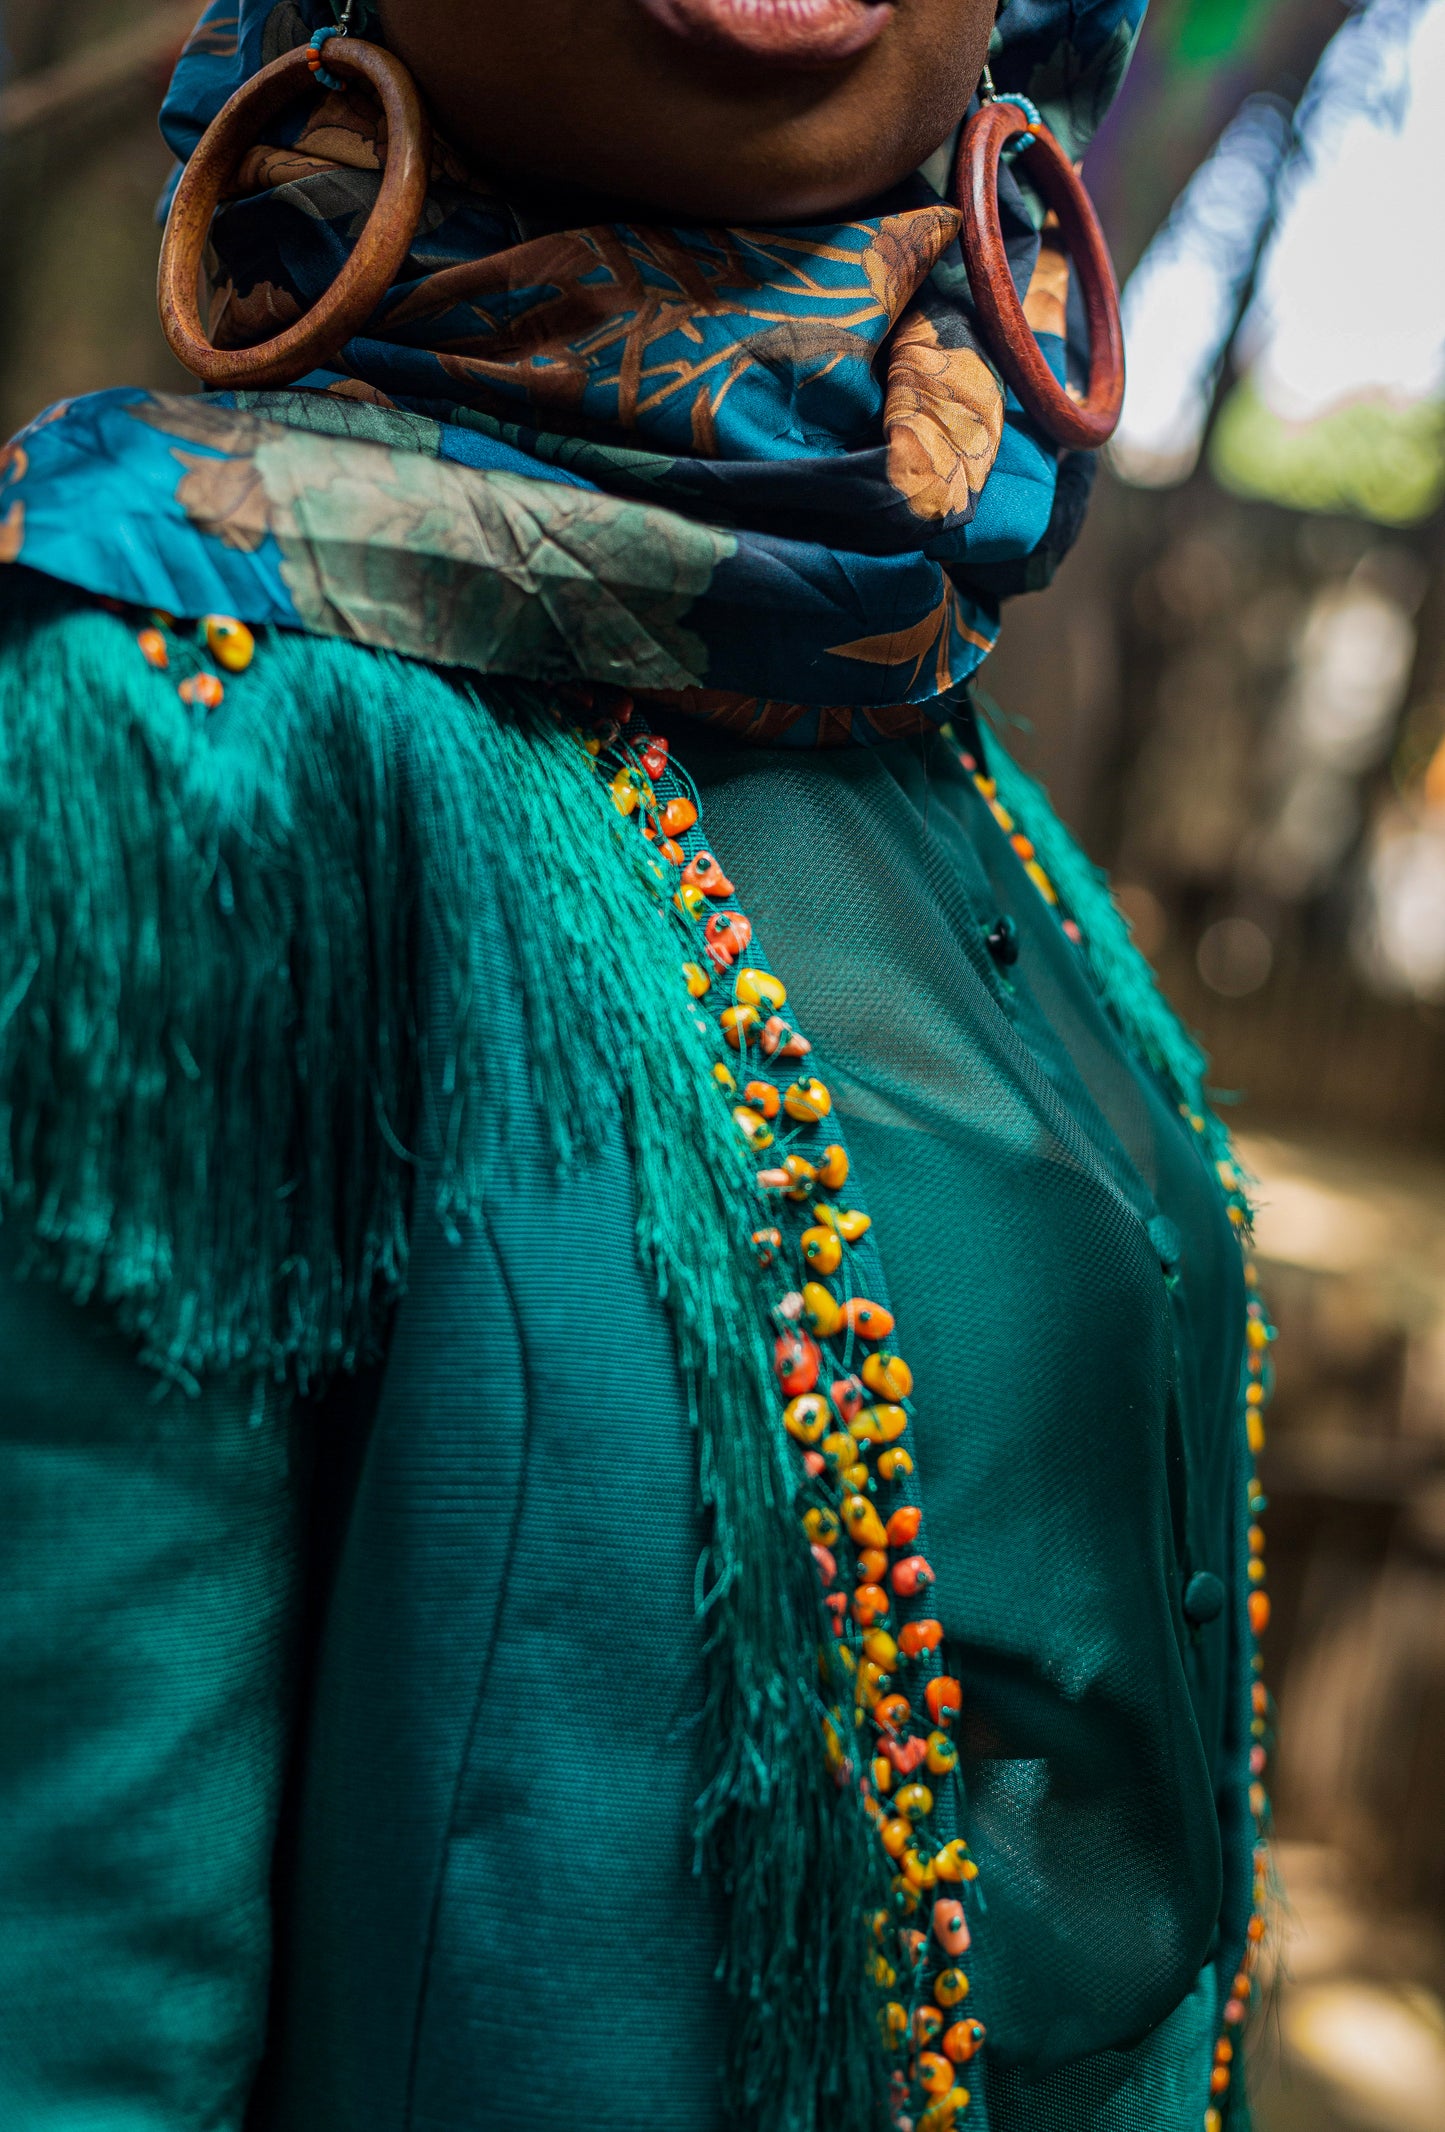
(350, 1735)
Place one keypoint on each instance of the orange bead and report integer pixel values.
(870, 1321)
(950, 1926)
(935, 2074)
(915, 1800)
(918, 1636)
(903, 1526)
(962, 2040)
(762, 1097)
(1259, 1612)
(678, 816)
(833, 1169)
(704, 872)
(944, 1698)
(208, 690)
(896, 1836)
(871, 1564)
(870, 1604)
(911, 1576)
(153, 646)
(927, 2025)
(847, 1394)
(892, 1712)
(797, 1361)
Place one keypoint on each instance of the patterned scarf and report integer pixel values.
(769, 473)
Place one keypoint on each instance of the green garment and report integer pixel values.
(486, 1914)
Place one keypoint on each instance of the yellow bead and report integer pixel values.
(942, 1754)
(888, 1375)
(723, 1078)
(896, 1836)
(844, 1221)
(740, 1025)
(1041, 881)
(879, 1425)
(690, 900)
(864, 1526)
(877, 1644)
(833, 1170)
(895, 1464)
(822, 1526)
(229, 642)
(758, 988)
(856, 1476)
(625, 795)
(894, 2020)
(806, 1419)
(919, 1870)
(807, 1101)
(950, 1987)
(915, 1800)
(884, 1975)
(839, 1450)
(698, 981)
(822, 1250)
(872, 1683)
(753, 1128)
(950, 1861)
(882, 1773)
(943, 2115)
(822, 1312)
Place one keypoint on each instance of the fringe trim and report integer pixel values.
(213, 1054)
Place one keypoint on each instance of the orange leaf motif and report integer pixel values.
(930, 638)
(943, 417)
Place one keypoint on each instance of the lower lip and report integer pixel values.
(798, 33)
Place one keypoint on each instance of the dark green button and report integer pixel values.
(1203, 1598)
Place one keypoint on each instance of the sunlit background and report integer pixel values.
(1236, 691)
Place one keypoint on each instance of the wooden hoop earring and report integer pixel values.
(1082, 424)
(379, 252)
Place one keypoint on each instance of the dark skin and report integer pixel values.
(727, 110)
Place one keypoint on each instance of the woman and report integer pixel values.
(507, 1632)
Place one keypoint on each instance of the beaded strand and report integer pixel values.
(847, 1406)
(1259, 1333)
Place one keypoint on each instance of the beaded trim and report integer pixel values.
(846, 1406)
(1259, 1333)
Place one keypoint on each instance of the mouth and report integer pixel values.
(794, 33)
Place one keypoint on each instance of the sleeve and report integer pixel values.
(149, 1543)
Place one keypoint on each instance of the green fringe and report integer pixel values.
(213, 1059)
(1150, 1027)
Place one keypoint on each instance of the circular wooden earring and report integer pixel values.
(1082, 424)
(379, 252)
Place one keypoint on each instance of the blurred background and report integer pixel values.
(1236, 692)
